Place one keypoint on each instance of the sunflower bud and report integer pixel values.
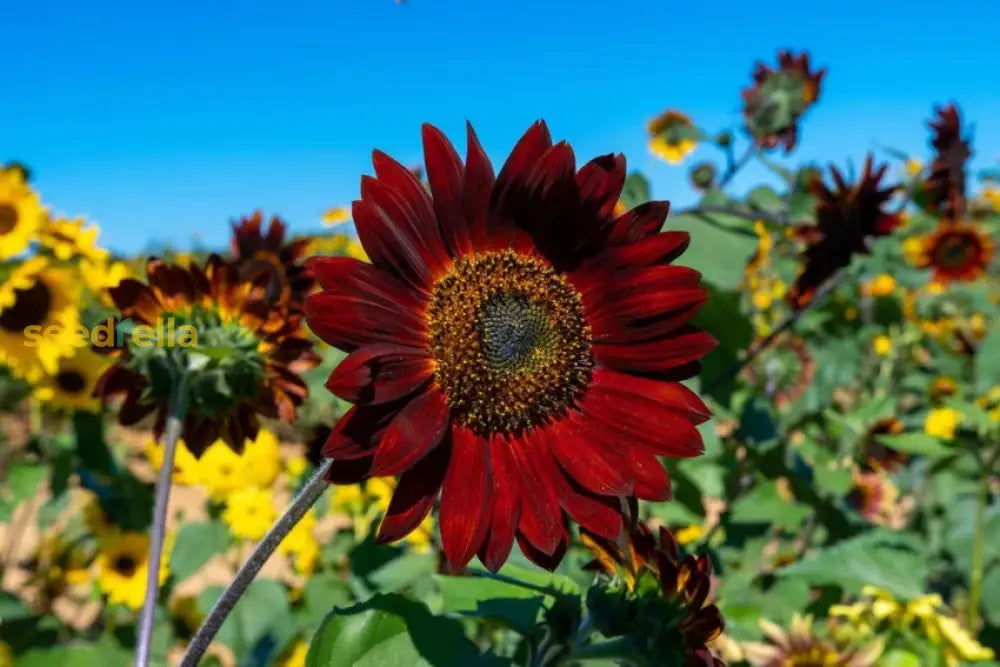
(702, 176)
(778, 98)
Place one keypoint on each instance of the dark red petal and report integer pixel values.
(348, 275)
(349, 322)
(541, 520)
(506, 506)
(133, 409)
(478, 189)
(521, 161)
(661, 248)
(350, 471)
(599, 514)
(466, 497)
(414, 496)
(671, 395)
(655, 356)
(136, 300)
(380, 373)
(415, 432)
(600, 183)
(651, 479)
(641, 222)
(549, 561)
(446, 176)
(359, 431)
(391, 245)
(584, 460)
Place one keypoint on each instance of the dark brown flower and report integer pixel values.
(257, 251)
(943, 193)
(875, 453)
(847, 217)
(250, 351)
(956, 251)
(775, 102)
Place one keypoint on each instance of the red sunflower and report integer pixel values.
(778, 98)
(514, 347)
(257, 251)
(847, 217)
(957, 252)
(943, 193)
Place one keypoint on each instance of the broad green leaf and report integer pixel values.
(720, 254)
(987, 363)
(635, 191)
(21, 481)
(196, 543)
(516, 606)
(899, 658)
(764, 198)
(991, 596)
(878, 559)
(390, 631)
(917, 443)
(763, 504)
(402, 571)
(261, 609)
(103, 653)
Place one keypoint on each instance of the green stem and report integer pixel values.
(978, 546)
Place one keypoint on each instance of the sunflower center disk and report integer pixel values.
(8, 218)
(510, 340)
(125, 565)
(30, 307)
(72, 382)
(955, 251)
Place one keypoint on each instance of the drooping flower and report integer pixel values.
(672, 136)
(799, 646)
(670, 613)
(512, 347)
(247, 348)
(39, 318)
(778, 98)
(943, 192)
(257, 251)
(847, 217)
(957, 252)
(72, 385)
(21, 212)
(122, 566)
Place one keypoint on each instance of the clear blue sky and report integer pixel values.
(162, 121)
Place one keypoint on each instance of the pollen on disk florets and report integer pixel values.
(511, 344)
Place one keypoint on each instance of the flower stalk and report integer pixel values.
(306, 498)
(978, 546)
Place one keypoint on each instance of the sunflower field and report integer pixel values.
(520, 415)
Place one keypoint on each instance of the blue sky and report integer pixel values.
(163, 121)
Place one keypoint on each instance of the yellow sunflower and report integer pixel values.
(39, 320)
(250, 512)
(262, 458)
(72, 385)
(301, 544)
(942, 422)
(186, 469)
(364, 503)
(69, 238)
(100, 275)
(671, 137)
(21, 213)
(222, 470)
(122, 567)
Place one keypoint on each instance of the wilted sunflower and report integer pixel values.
(670, 611)
(943, 193)
(956, 252)
(258, 252)
(72, 385)
(799, 646)
(847, 217)
(777, 99)
(39, 319)
(21, 212)
(672, 136)
(248, 349)
(513, 347)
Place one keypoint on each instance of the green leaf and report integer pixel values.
(719, 253)
(899, 658)
(764, 198)
(390, 631)
(991, 591)
(636, 190)
(103, 653)
(22, 481)
(763, 504)
(259, 611)
(196, 543)
(987, 363)
(403, 571)
(917, 443)
(879, 559)
(475, 597)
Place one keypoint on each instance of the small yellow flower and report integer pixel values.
(302, 545)
(991, 193)
(336, 215)
(347, 499)
(222, 470)
(914, 250)
(881, 285)
(21, 213)
(297, 655)
(689, 534)
(913, 166)
(662, 140)
(296, 465)
(942, 422)
(250, 512)
(262, 458)
(936, 288)
(882, 345)
(762, 299)
(122, 567)
(186, 467)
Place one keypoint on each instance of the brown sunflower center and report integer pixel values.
(8, 218)
(125, 565)
(71, 382)
(510, 340)
(956, 251)
(30, 307)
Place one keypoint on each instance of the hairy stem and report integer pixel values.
(224, 605)
(158, 534)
